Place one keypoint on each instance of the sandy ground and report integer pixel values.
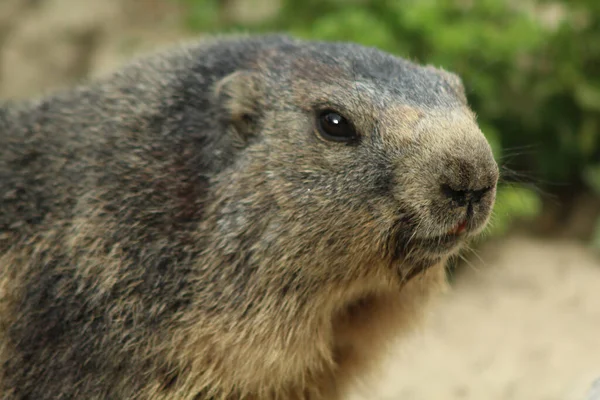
(523, 322)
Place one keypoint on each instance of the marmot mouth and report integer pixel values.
(417, 254)
(438, 245)
(416, 247)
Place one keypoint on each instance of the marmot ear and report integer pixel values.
(453, 80)
(239, 96)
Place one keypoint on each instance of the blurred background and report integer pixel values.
(523, 320)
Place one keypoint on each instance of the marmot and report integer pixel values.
(246, 217)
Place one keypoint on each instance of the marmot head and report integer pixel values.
(374, 156)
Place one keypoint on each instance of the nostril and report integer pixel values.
(462, 197)
(477, 195)
(458, 196)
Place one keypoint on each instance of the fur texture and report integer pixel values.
(180, 230)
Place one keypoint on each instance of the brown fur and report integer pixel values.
(179, 230)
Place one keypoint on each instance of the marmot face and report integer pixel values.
(381, 157)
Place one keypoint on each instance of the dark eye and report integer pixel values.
(332, 126)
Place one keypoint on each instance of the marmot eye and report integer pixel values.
(332, 126)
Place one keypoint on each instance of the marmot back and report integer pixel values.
(242, 218)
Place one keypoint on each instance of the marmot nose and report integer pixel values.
(462, 197)
(467, 181)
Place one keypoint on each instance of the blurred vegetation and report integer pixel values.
(531, 68)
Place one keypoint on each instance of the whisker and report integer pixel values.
(474, 252)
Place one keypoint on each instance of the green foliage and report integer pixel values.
(596, 238)
(513, 202)
(534, 86)
(592, 175)
(203, 14)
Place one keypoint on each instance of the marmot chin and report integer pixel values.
(246, 217)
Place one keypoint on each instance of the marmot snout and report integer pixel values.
(244, 218)
(446, 184)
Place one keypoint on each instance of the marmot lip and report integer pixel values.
(459, 228)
